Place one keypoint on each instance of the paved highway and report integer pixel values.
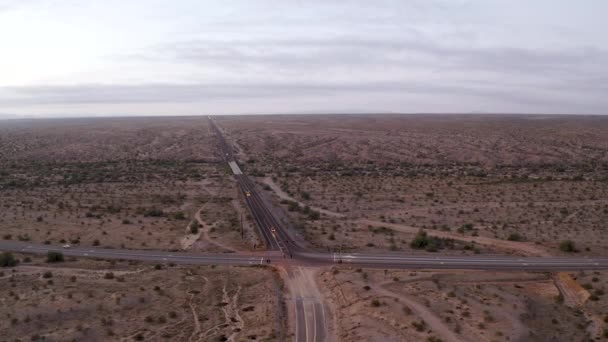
(389, 260)
(142, 255)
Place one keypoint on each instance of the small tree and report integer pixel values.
(420, 241)
(567, 246)
(7, 259)
(53, 256)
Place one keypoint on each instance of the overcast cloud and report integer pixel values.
(197, 57)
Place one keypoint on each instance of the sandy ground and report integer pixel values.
(91, 300)
(453, 306)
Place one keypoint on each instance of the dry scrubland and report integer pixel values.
(129, 183)
(89, 300)
(377, 180)
(377, 305)
(473, 184)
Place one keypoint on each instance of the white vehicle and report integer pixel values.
(66, 246)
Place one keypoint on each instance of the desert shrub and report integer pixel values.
(194, 227)
(305, 195)
(465, 228)
(7, 259)
(430, 243)
(108, 275)
(154, 212)
(53, 256)
(514, 237)
(419, 326)
(375, 303)
(47, 274)
(567, 246)
(178, 215)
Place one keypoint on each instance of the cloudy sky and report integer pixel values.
(151, 57)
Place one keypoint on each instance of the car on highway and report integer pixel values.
(66, 246)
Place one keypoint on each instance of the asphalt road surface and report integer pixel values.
(389, 260)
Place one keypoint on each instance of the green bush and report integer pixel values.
(53, 256)
(567, 246)
(420, 241)
(7, 259)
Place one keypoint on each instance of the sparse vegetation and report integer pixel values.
(53, 256)
(7, 259)
(567, 246)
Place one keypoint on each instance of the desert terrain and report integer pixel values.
(515, 184)
(459, 185)
(119, 183)
(88, 300)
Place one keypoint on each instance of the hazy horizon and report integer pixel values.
(128, 58)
